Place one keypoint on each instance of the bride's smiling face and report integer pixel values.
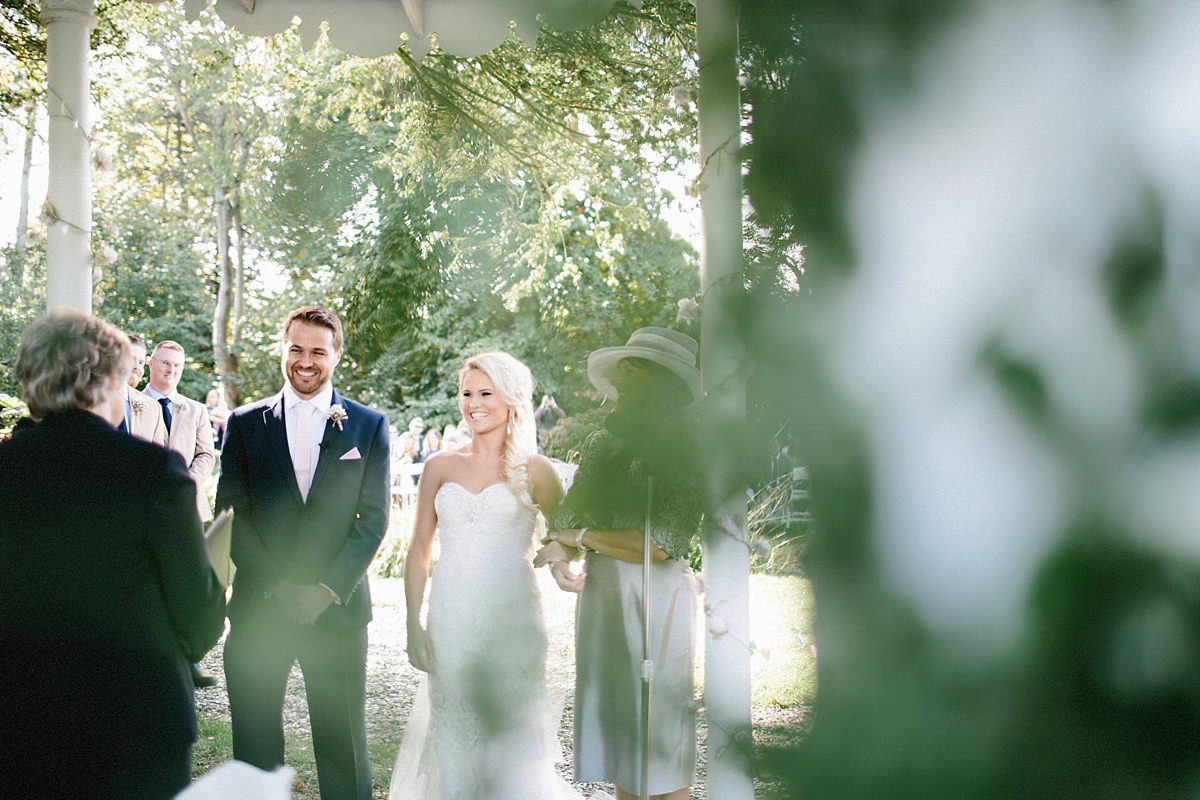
(480, 403)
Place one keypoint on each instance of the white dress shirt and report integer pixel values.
(313, 414)
(317, 409)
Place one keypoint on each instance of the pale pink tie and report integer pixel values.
(302, 458)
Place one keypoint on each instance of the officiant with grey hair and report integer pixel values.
(108, 590)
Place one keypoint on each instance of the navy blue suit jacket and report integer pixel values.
(331, 538)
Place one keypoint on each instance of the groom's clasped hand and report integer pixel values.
(301, 603)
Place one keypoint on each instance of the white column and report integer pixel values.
(68, 239)
(726, 554)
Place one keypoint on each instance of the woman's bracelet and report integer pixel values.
(578, 544)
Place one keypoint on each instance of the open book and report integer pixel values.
(217, 537)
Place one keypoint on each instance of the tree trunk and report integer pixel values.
(233, 390)
(223, 216)
(18, 263)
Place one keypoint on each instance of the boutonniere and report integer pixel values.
(338, 415)
(138, 405)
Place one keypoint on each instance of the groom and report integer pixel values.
(306, 473)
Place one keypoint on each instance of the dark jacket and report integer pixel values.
(108, 596)
(331, 538)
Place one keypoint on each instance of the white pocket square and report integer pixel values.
(351, 455)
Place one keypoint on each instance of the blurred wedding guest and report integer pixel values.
(411, 441)
(454, 437)
(142, 418)
(108, 590)
(547, 415)
(218, 414)
(433, 443)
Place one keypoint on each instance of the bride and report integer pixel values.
(480, 729)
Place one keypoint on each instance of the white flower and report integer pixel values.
(689, 310)
(681, 96)
(107, 254)
(717, 625)
(138, 405)
(338, 415)
(102, 158)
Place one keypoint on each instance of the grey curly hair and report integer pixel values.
(67, 360)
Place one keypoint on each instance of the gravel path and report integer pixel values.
(392, 681)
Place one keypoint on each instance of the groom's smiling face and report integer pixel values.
(309, 357)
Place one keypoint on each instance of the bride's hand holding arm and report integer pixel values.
(547, 492)
(567, 579)
(416, 565)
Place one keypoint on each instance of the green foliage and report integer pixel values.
(22, 299)
(538, 233)
(566, 439)
(11, 410)
(400, 267)
(156, 288)
(779, 523)
(1092, 693)
(23, 43)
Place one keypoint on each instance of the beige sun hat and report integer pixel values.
(670, 349)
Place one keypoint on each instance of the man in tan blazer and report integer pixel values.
(189, 433)
(189, 430)
(143, 418)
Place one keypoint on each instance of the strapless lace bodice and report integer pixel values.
(491, 524)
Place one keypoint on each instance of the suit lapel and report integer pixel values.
(277, 436)
(179, 413)
(328, 448)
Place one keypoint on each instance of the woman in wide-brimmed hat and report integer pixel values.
(645, 456)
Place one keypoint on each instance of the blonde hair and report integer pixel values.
(68, 360)
(513, 383)
(167, 344)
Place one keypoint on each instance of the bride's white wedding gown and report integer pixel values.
(480, 727)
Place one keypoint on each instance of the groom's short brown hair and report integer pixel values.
(315, 315)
